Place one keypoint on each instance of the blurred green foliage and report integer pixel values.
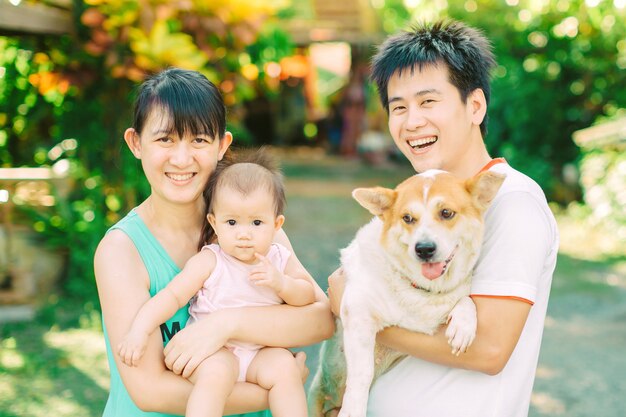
(604, 179)
(67, 100)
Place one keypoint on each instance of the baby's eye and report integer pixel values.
(231, 222)
(257, 222)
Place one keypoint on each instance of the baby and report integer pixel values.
(244, 202)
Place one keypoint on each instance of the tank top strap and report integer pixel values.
(160, 266)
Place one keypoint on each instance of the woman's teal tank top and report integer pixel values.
(161, 269)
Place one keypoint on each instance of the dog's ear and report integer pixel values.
(484, 187)
(376, 200)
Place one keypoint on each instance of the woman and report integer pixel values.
(179, 134)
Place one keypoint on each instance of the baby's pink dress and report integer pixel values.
(229, 286)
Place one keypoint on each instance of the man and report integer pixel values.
(434, 83)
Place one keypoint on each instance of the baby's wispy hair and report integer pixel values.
(244, 171)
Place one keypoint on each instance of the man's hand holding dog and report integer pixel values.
(336, 285)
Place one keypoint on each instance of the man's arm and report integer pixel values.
(500, 323)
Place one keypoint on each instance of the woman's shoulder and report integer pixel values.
(116, 249)
(115, 240)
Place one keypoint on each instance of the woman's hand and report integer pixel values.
(336, 286)
(196, 342)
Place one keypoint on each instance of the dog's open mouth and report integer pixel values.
(433, 270)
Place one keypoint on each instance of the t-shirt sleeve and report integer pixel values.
(516, 245)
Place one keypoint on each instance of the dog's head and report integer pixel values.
(433, 224)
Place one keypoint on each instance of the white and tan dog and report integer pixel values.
(410, 267)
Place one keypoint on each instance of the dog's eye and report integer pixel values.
(447, 214)
(408, 219)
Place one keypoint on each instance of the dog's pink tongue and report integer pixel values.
(433, 270)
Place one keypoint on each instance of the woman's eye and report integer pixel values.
(231, 222)
(257, 222)
(408, 219)
(447, 214)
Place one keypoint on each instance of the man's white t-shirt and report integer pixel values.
(517, 260)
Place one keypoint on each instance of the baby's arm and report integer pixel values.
(292, 285)
(164, 305)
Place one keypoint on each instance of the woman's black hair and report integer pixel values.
(463, 50)
(190, 102)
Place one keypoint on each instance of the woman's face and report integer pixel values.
(177, 168)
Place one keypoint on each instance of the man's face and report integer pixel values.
(431, 125)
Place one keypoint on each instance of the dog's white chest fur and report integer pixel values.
(375, 287)
(410, 266)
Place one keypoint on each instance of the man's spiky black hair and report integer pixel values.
(464, 50)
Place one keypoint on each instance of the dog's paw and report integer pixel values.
(352, 407)
(346, 412)
(462, 324)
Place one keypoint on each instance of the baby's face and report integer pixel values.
(244, 224)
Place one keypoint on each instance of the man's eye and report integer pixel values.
(231, 222)
(257, 222)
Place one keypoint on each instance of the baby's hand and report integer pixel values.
(132, 348)
(266, 275)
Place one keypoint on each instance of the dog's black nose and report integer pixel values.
(425, 250)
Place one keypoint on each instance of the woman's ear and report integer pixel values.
(225, 142)
(280, 220)
(132, 139)
(477, 105)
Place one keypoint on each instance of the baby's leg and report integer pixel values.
(275, 369)
(213, 382)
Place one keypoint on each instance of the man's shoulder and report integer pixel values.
(516, 181)
(520, 201)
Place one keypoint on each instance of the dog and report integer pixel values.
(410, 266)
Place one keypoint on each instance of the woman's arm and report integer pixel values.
(281, 325)
(500, 324)
(123, 287)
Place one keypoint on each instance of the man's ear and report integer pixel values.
(225, 142)
(280, 220)
(477, 106)
(132, 139)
